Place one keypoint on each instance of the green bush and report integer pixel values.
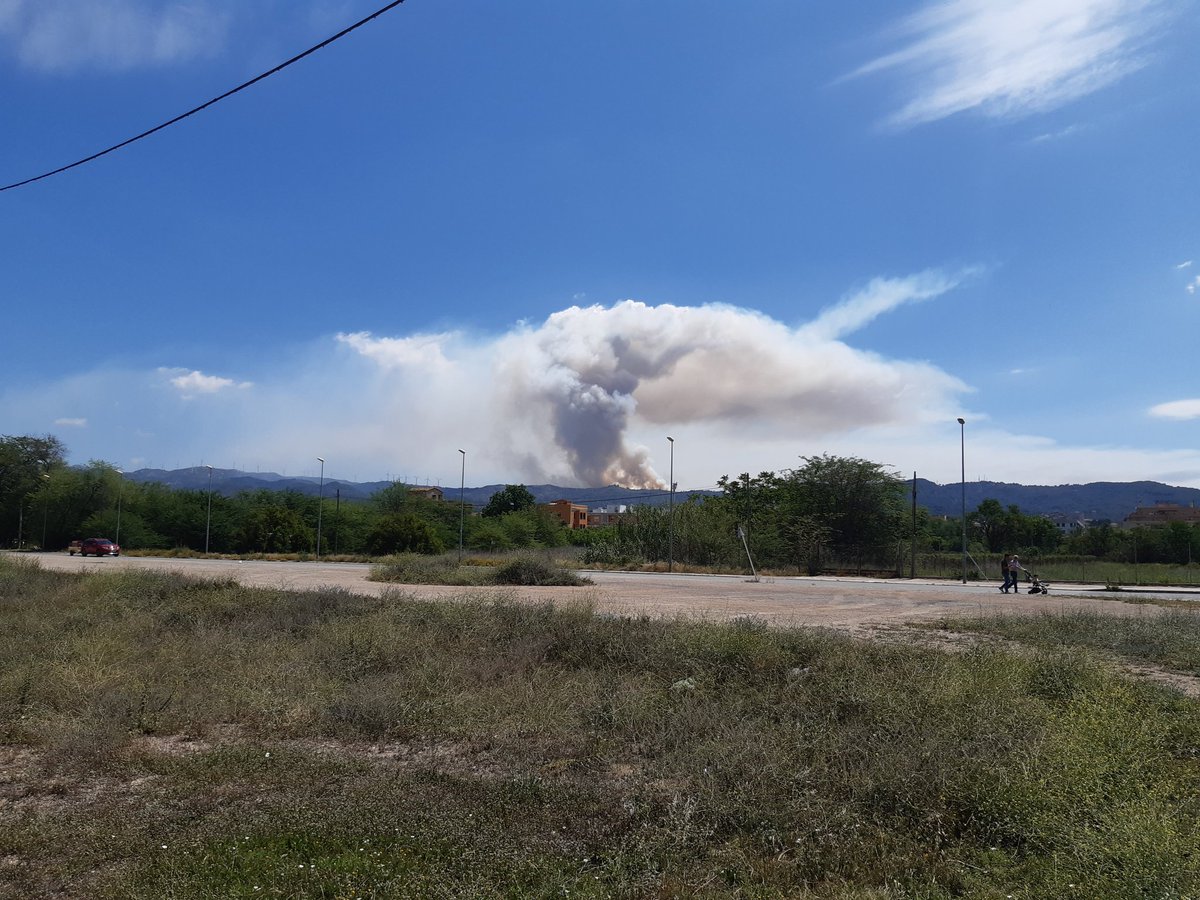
(530, 570)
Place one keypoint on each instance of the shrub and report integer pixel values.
(530, 570)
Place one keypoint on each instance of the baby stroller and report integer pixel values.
(1036, 585)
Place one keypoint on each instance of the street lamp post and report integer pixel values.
(462, 487)
(320, 504)
(208, 518)
(671, 511)
(962, 448)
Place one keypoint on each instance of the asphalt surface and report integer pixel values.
(844, 603)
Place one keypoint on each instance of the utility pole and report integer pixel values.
(912, 566)
(962, 432)
(671, 513)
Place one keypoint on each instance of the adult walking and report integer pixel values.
(1014, 573)
(1004, 572)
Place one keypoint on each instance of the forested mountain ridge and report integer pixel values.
(1110, 500)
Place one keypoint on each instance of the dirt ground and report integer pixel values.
(848, 604)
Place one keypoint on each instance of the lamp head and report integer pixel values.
(962, 421)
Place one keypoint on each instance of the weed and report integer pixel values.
(525, 569)
(191, 738)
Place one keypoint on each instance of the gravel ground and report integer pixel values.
(843, 603)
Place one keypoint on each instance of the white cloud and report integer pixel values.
(1185, 264)
(558, 400)
(195, 382)
(587, 396)
(71, 423)
(1193, 285)
(424, 350)
(1056, 135)
(1177, 409)
(58, 35)
(880, 296)
(1014, 58)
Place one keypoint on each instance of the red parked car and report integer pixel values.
(99, 547)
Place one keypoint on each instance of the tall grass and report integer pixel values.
(1168, 638)
(1085, 569)
(511, 569)
(198, 739)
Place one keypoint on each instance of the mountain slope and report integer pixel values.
(1098, 500)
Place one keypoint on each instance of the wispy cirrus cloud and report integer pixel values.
(71, 422)
(196, 382)
(880, 296)
(1015, 58)
(63, 35)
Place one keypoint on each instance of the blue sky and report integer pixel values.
(554, 233)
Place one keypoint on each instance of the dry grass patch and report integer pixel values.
(197, 739)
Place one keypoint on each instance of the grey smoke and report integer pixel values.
(586, 373)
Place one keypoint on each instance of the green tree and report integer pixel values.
(393, 499)
(509, 499)
(24, 459)
(991, 524)
(271, 528)
(860, 503)
(488, 534)
(404, 533)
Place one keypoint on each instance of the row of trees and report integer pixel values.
(844, 512)
(830, 511)
(46, 503)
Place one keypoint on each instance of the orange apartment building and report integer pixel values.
(1161, 514)
(573, 515)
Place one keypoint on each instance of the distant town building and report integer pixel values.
(573, 515)
(1162, 514)
(429, 493)
(1070, 524)
(611, 514)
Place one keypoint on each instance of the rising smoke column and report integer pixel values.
(588, 371)
(557, 400)
(580, 371)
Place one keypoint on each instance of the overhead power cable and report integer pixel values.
(229, 93)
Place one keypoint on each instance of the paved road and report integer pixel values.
(836, 602)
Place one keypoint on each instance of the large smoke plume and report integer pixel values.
(559, 397)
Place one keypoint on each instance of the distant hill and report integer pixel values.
(1098, 500)
(228, 482)
(1112, 500)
